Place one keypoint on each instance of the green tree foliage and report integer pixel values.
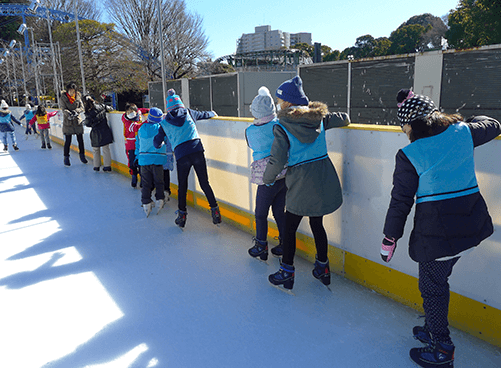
(436, 28)
(474, 23)
(407, 39)
(309, 50)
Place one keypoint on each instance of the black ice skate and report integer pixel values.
(259, 250)
(278, 251)
(437, 354)
(322, 272)
(216, 215)
(181, 219)
(284, 277)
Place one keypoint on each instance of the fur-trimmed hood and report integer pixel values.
(303, 122)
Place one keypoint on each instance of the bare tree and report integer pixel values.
(85, 8)
(184, 39)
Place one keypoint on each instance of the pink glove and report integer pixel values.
(388, 248)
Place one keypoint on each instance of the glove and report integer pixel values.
(388, 248)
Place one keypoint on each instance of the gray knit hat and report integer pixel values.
(262, 106)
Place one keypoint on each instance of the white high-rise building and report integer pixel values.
(264, 39)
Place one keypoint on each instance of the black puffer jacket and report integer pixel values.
(441, 228)
(101, 133)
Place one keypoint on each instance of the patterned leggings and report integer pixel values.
(434, 287)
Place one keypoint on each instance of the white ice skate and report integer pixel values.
(148, 207)
(160, 205)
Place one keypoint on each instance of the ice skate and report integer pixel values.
(49, 146)
(43, 146)
(5, 148)
(167, 196)
(278, 250)
(67, 161)
(133, 182)
(437, 354)
(160, 205)
(422, 334)
(148, 207)
(181, 219)
(260, 250)
(285, 277)
(83, 159)
(216, 215)
(322, 272)
(16, 148)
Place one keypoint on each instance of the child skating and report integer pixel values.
(6, 127)
(260, 138)
(28, 114)
(179, 126)
(132, 121)
(313, 187)
(451, 217)
(151, 161)
(41, 119)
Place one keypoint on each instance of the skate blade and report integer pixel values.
(282, 289)
(260, 260)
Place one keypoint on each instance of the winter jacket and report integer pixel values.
(6, 119)
(260, 139)
(313, 187)
(451, 215)
(95, 118)
(131, 127)
(180, 129)
(146, 152)
(42, 121)
(28, 115)
(72, 121)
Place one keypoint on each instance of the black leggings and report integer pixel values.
(67, 144)
(317, 228)
(184, 164)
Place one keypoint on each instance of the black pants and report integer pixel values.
(133, 168)
(184, 164)
(434, 287)
(152, 176)
(317, 228)
(67, 144)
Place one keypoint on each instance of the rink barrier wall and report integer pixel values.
(364, 158)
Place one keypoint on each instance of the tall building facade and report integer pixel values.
(264, 39)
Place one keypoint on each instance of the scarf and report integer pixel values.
(71, 99)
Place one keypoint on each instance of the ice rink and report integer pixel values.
(86, 280)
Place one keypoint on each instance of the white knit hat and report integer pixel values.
(4, 105)
(262, 106)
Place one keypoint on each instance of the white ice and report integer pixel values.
(86, 280)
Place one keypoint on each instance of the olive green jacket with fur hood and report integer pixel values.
(313, 188)
(72, 124)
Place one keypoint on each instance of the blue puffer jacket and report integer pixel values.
(448, 220)
(6, 119)
(146, 153)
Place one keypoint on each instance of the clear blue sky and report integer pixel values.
(334, 23)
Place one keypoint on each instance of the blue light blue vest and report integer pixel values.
(445, 164)
(302, 153)
(28, 115)
(5, 119)
(146, 153)
(178, 135)
(260, 138)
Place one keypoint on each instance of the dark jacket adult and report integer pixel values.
(313, 188)
(72, 121)
(101, 133)
(445, 227)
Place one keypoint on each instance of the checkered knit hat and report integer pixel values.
(415, 106)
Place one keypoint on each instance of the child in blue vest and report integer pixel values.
(151, 160)
(260, 138)
(28, 114)
(179, 126)
(451, 216)
(313, 187)
(6, 126)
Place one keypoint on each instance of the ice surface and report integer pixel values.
(86, 280)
